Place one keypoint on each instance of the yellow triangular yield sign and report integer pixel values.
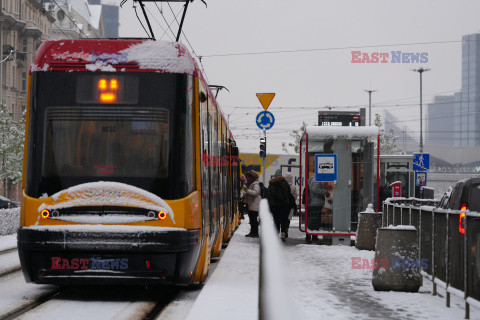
(265, 99)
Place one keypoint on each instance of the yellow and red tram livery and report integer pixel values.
(130, 171)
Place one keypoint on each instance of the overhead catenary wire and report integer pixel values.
(189, 44)
(169, 24)
(163, 29)
(164, 19)
(72, 21)
(61, 30)
(406, 105)
(331, 48)
(184, 35)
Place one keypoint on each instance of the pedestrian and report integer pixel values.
(316, 200)
(289, 178)
(251, 194)
(280, 200)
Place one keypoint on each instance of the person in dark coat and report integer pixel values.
(280, 200)
(316, 200)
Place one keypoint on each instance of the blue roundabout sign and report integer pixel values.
(265, 120)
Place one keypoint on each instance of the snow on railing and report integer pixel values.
(274, 299)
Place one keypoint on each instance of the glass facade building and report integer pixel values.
(463, 107)
(439, 125)
(467, 128)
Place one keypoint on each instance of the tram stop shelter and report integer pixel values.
(341, 160)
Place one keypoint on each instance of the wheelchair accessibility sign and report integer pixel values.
(325, 167)
(420, 178)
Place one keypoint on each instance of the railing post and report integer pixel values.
(434, 290)
(393, 214)
(410, 215)
(401, 215)
(447, 258)
(388, 210)
(465, 269)
(419, 234)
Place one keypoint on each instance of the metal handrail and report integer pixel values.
(274, 302)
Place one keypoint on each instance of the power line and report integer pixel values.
(164, 19)
(61, 30)
(71, 20)
(296, 108)
(188, 42)
(183, 32)
(331, 48)
(157, 21)
(169, 24)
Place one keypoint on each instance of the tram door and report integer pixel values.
(205, 167)
(214, 170)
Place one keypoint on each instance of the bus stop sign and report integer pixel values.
(325, 167)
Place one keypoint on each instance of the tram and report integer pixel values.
(130, 172)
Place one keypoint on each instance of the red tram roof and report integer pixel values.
(114, 55)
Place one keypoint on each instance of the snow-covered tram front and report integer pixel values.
(110, 138)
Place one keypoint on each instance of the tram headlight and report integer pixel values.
(45, 213)
(162, 215)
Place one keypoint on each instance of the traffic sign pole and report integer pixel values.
(263, 159)
(265, 121)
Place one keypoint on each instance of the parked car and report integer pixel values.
(6, 203)
(464, 195)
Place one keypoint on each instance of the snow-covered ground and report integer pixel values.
(321, 282)
(322, 285)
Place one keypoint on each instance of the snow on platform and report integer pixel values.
(231, 291)
(322, 282)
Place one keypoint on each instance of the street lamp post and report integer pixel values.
(421, 71)
(369, 106)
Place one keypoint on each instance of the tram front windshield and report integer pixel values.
(103, 127)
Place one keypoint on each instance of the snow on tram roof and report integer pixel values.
(320, 132)
(114, 55)
(161, 55)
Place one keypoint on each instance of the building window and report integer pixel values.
(24, 81)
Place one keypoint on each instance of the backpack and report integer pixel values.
(263, 190)
(278, 193)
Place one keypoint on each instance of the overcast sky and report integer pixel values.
(306, 81)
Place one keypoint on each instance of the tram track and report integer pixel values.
(9, 261)
(8, 250)
(95, 302)
(19, 311)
